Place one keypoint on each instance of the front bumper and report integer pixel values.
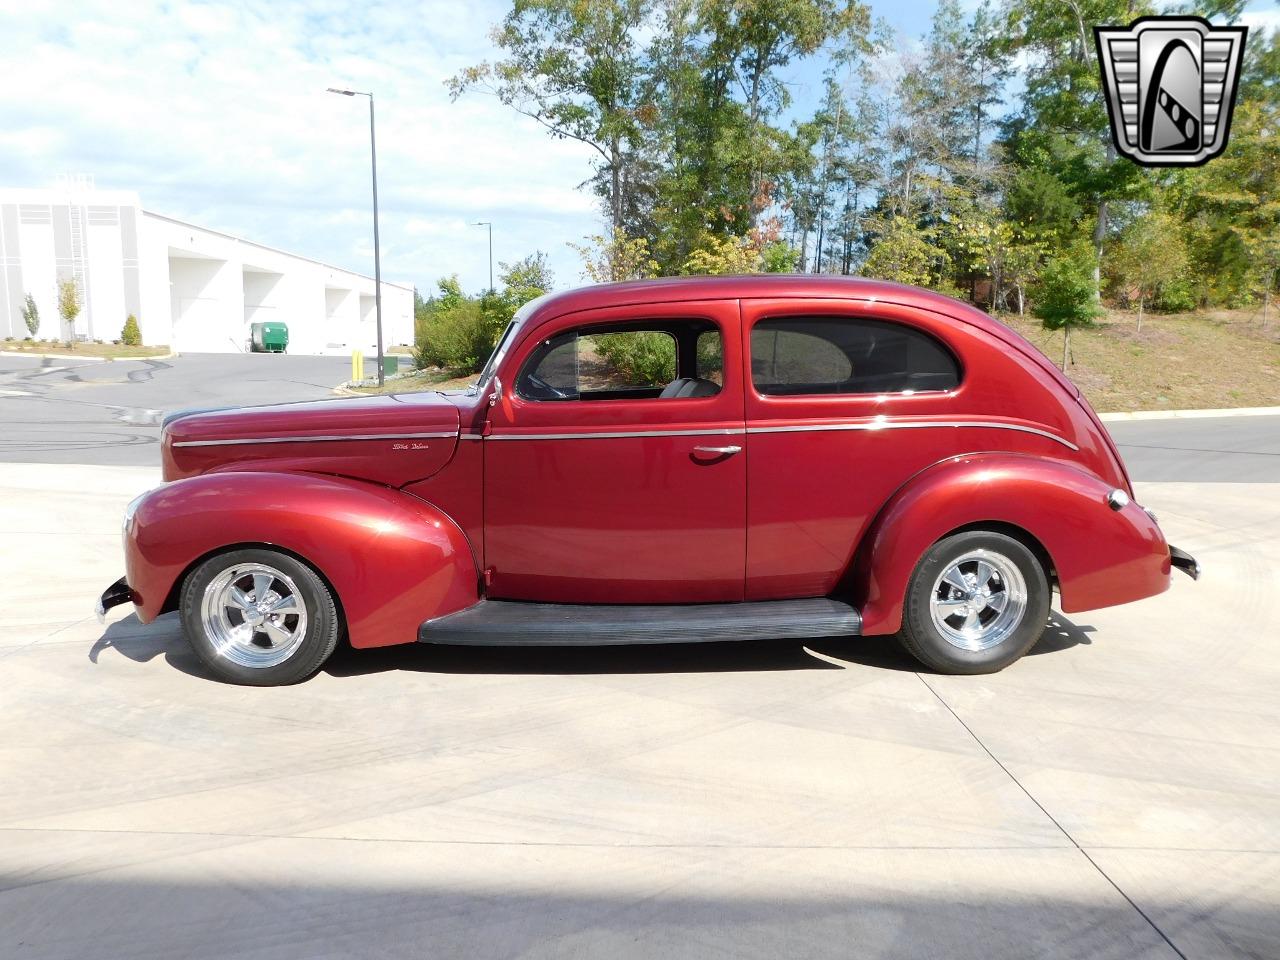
(113, 596)
(1184, 562)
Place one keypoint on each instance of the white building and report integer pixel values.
(193, 289)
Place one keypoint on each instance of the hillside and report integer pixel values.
(1178, 361)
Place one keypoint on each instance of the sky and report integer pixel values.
(216, 112)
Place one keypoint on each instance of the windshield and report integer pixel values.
(500, 350)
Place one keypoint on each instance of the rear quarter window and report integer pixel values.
(793, 356)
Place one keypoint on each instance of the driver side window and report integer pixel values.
(674, 361)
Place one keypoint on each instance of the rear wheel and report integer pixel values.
(976, 603)
(259, 617)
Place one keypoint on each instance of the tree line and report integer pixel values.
(977, 161)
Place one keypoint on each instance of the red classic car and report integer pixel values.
(673, 460)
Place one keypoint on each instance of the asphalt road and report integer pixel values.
(65, 411)
(76, 411)
(1210, 449)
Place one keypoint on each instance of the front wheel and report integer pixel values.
(259, 617)
(976, 603)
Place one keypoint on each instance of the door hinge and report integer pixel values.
(488, 576)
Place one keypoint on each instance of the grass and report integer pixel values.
(109, 351)
(421, 381)
(1183, 361)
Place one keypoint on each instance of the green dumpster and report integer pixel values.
(269, 337)
(390, 365)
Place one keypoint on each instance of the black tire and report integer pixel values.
(306, 653)
(924, 640)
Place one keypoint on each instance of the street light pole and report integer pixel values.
(377, 248)
(489, 224)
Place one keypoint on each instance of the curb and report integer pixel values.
(51, 356)
(1191, 414)
(81, 357)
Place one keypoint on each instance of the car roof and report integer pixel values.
(758, 286)
(751, 286)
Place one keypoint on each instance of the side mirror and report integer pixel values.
(497, 391)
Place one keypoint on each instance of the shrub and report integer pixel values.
(31, 314)
(645, 358)
(1177, 296)
(457, 337)
(131, 336)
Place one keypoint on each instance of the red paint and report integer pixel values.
(388, 556)
(403, 527)
(619, 520)
(394, 461)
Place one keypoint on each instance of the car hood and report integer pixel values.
(392, 440)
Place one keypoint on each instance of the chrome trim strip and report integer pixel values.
(807, 428)
(334, 437)
(911, 425)
(732, 432)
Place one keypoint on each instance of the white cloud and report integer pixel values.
(216, 112)
(1265, 20)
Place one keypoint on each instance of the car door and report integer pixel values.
(845, 400)
(601, 489)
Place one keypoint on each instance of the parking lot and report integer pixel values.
(1114, 794)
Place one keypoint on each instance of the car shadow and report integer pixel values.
(884, 652)
(163, 638)
(142, 643)
(1062, 634)
(753, 656)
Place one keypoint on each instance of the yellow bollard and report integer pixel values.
(357, 366)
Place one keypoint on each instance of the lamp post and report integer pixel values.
(489, 224)
(377, 251)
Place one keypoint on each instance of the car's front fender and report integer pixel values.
(393, 560)
(1102, 556)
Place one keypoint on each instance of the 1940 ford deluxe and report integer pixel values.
(662, 461)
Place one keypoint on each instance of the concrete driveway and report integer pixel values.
(1115, 794)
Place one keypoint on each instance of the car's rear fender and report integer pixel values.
(1101, 556)
(392, 559)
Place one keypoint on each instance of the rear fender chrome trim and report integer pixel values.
(874, 426)
(334, 438)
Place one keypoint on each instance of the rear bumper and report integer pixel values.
(1184, 562)
(113, 596)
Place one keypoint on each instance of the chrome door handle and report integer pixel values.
(718, 451)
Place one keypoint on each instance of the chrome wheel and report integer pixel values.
(979, 600)
(253, 615)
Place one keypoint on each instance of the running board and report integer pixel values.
(504, 623)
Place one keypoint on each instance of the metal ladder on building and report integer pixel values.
(78, 273)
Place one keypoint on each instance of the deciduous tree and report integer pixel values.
(1150, 255)
(69, 306)
(1065, 296)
